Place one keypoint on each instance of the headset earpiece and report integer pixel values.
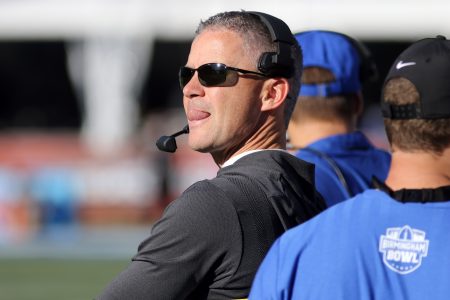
(368, 71)
(278, 63)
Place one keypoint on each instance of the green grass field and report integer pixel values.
(45, 279)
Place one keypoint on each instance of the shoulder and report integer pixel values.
(306, 155)
(352, 212)
(202, 198)
(338, 231)
(201, 209)
(201, 218)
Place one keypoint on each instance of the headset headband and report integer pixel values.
(278, 63)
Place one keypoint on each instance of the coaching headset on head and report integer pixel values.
(270, 64)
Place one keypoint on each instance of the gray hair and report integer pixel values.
(257, 40)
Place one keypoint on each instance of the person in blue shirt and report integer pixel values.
(323, 126)
(391, 242)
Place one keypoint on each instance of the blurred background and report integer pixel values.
(86, 89)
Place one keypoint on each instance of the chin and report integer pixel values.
(200, 149)
(198, 145)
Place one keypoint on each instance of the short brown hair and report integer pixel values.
(413, 135)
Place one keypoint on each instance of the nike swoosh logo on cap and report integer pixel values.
(402, 64)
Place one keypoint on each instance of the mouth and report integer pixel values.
(194, 115)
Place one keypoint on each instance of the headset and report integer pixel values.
(168, 143)
(272, 64)
(368, 71)
(279, 63)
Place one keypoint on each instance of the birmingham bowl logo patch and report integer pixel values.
(403, 249)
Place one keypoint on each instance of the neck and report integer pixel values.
(269, 135)
(309, 131)
(418, 170)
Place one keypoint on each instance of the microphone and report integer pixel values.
(168, 143)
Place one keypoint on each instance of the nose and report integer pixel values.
(193, 87)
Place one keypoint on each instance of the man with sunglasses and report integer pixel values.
(239, 87)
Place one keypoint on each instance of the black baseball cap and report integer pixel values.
(426, 63)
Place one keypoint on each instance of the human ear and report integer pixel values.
(274, 93)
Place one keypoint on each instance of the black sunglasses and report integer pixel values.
(213, 74)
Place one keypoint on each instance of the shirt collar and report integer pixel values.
(233, 159)
(440, 194)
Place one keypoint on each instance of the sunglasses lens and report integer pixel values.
(212, 74)
(185, 75)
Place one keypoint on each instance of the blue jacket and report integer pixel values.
(354, 156)
(369, 247)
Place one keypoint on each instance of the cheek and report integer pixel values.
(242, 113)
(249, 105)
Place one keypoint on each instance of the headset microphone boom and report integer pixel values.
(168, 143)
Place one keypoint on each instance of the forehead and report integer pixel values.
(218, 45)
